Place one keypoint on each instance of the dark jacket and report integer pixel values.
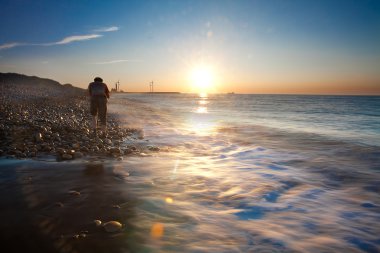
(97, 89)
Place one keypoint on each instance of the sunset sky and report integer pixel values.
(256, 46)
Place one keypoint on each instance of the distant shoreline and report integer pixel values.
(142, 92)
(255, 94)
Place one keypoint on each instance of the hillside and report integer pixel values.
(36, 86)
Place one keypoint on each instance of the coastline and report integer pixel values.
(57, 177)
(218, 183)
(55, 122)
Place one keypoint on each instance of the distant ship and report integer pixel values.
(231, 93)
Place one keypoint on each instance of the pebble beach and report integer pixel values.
(55, 122)
(55, 173)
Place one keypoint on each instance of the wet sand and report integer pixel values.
(51, 207)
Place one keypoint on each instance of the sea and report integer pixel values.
(252, 173)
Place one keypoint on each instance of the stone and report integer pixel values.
(38, 137)
(153, 148)
(74, 193)
(78, 155)
(67, 157)
(112, 226)
(98, 223)
(84, 149)
(61, 151)
(127, 151)
(58, 204)
(115, 150)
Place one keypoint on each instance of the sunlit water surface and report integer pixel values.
(246, 173)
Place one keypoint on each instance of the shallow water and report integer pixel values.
(229, 183)
(224, 181)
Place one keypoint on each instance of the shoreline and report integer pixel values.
(36, 121)
(232, 179)
(57, 178)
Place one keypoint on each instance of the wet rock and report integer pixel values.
(84, 149)
(20, 154)
(153, 148)
(61, 151)
(127, 151)
(78, 155)
(58, 204)
(112, 226)
(74, 193)
(67, 157)
(76, 145)
(38, 137)
(115, 150)
(98, 223)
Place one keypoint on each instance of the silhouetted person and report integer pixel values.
(99, 95)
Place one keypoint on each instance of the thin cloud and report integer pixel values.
(115, 61)
(10, 45)
(107, 29)
(70, 39)
(66, 40)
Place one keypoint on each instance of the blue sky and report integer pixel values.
(273, 46)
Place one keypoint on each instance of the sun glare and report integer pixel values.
(202, 79)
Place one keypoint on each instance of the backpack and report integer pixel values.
(97, 89)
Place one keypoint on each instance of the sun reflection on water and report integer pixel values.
(203, 102)
(201, 109)
(203, 95)
(201, 122)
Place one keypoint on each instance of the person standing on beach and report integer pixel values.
(99, 94)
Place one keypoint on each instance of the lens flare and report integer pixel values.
(169, 200)
(157, 230)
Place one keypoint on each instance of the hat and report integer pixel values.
(98, 79)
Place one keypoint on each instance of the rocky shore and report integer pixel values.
(42, 119)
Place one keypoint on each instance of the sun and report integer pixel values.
(202, 78)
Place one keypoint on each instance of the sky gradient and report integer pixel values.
(272, 46)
